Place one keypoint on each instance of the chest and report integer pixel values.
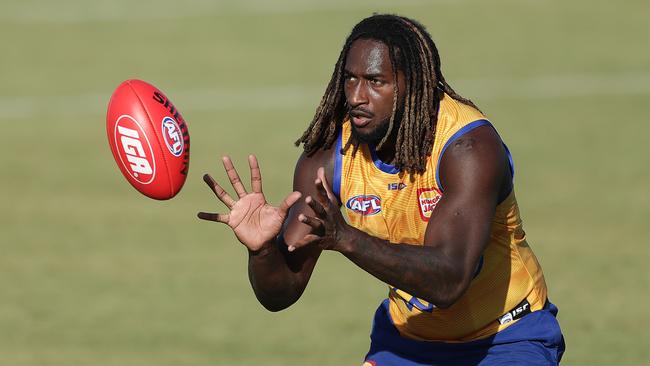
(394, 207)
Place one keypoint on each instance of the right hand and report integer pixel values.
(253, 220)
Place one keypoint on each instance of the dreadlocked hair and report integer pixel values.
(411, 51)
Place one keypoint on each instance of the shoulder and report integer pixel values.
(481, 142)
(307, 165)
(476, 160)
(455, 117)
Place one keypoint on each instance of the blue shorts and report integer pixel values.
(536, 339)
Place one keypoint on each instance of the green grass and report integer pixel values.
(93, 273)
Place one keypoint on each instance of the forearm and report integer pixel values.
(424, 272)
(275, 285)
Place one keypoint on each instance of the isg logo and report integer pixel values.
(134, 149)
(365, 205)
(173, 136)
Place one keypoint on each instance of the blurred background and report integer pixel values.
(93, 273)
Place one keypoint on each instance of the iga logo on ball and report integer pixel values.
(134, 149)
(172, 135)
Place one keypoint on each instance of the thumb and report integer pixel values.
(321, 175)
(289, 201)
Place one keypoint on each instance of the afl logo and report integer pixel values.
(365, 205)
(173, 136)
(134, 149)
(428, 198)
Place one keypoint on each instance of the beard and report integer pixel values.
(371, 137)
(375, 136)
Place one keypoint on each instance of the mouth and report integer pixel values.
(360, 122)
(359, 118)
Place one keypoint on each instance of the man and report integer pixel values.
(426, 183)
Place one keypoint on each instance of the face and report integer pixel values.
(369, 84)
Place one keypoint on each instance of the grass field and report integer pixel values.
(93, 273)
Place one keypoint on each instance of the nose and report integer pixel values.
(357, 94)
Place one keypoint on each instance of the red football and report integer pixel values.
(149, 139)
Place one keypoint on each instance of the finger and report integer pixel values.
(256, 176)
(316, 206)
(218, 191)
(234, 177)
(314, 222)
(307, 240)
(214, 217)
(291, 199)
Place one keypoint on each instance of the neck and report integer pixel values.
(387, 151)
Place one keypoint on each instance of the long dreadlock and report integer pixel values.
(412, 51)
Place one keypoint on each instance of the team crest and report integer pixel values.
(173, 136)
(428, 198)
(364, 205)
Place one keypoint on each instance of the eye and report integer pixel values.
(349, 78)
(376, 82)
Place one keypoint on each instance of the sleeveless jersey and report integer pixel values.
(396, 206)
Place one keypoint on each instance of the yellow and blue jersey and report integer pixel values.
(396, 206)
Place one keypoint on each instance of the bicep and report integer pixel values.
(472, 174)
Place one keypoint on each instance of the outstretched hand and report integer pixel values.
(253, 220)
(329, 229)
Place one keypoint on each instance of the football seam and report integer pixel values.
(169, 177)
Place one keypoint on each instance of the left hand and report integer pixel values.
(329, 229)
(254, 221)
